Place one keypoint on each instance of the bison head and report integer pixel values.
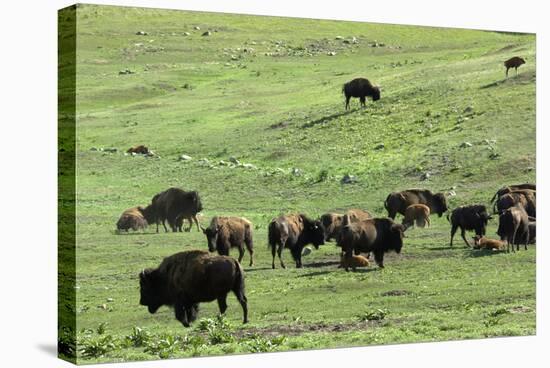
(211, 236)
(396, 237)
(149, 213)
(375, 93)
(440, 203)
(331, 222)
(150, 284)
(315, 231)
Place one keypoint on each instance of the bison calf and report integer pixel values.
(225, 233)
(353, 262)
(481, 242)
(185, 279)
(419, 213)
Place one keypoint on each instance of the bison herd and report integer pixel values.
(188, 278)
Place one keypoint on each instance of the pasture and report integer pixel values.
(266, 91)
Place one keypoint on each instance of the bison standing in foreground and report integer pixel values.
(360, 88)
(185, 279)
(514, 62)
(376, 235)
(513, 226)
(397, 202)
(230, 232)
(175, 204)
(472, 217)
(294, 232)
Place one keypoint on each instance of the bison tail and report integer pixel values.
(271, 238)
(239, 278)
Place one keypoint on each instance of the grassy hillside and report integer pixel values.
(267, 91)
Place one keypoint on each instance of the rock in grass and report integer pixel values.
(379, 147)
(348, 179)
(465, 145)
(234, 160)
(110, 149)
(207, 33)
(186, 34)
(425, 176)
(141, 33)
(185, 158)
(331, 53)
(125, 71)
(306, 251)
(197, 28)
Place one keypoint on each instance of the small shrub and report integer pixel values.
(195, 344)
(164, 347)
(322, 176)
(95, 347)
(138, 338)
(375, 315)
(101, 328)
(66, 343)
(260, 344)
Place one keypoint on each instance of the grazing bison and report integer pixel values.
(376, 235)
(525, 199)
(397, 202)
(505, 190)
(142, 150)
(481, 242)
(472, 217)
(173, 205)
(332, 222)
(230, 232)
(419, 213)
(513, 226)
(353, 262)
(185, 279)
(361, 88)
(294, 232)
(515, 63)
(132, 218)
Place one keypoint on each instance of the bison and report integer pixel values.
(397, 202)
(376, 235)
(505, 190)
(132, 218)
(361, 88)
(481, 242)
(522, 198)
(513, 226)
(141, 149)
(353, 262)
(294, 232)
(472, 217)
(333, 221)
(173, 205)
(230, 232)
(185, 279)
(514, 62)
(419, 213)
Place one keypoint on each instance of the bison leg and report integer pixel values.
(239, 293)
(347, 102)
(279, 253)
(507, 72)
(181, 314)
(379, 258)
(362, 101)
(165, 228)
(241, 253)
(251, 252)
(197, 223)
(453, 232)
(463, 235)
(222, 303)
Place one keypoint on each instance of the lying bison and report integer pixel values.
(397, 202)
(524, 198)
(515, 63)
(185, 279)
(376, 235)
(472, 217)
(360, 88)
(332, 222)
(513, 226)
(132, 218)
(507, 189)
(294, 232)
(175, 204)
(230, 232)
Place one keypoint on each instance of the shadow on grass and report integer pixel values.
(326, 119)
(528, 76)
(257, 269)
(321, 264)
(476, 253)
(319, 273)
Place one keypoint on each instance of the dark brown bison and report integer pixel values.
(513, 226)
(361, 88)
(142, 150)
(294, 232)
(505, 190)
(525, 199)
(132, 218)
(532, 230)
(515, 63)
(416, 213)
(230, 232)
(332, 222)
(376, 235)
(472, 217)
(397, 202)
(185, 279)
(175, 204)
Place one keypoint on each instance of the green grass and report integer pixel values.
(281, 107)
